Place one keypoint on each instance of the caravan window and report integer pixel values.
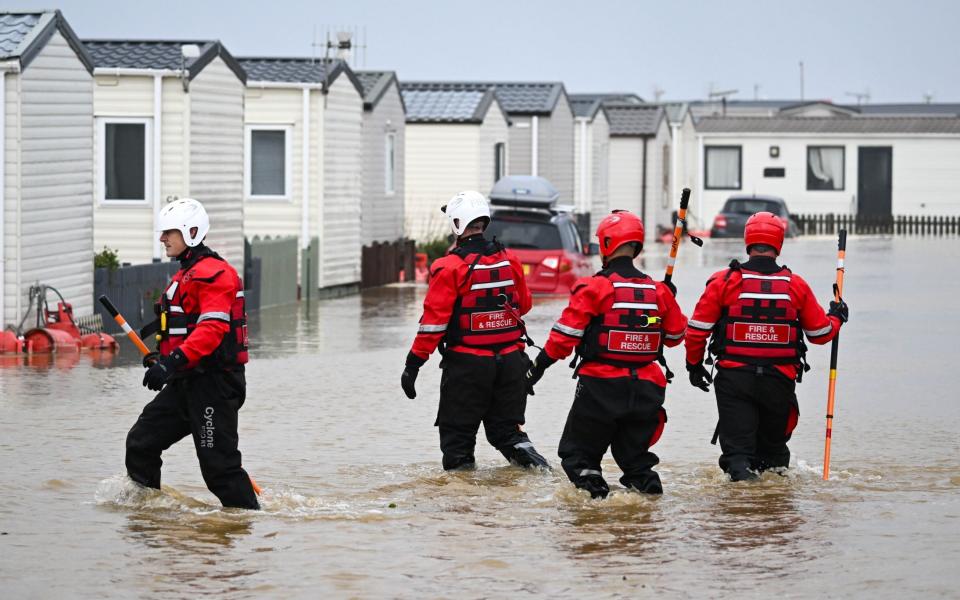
(390, 155)
(723, 167)
(268, 162)
(124, 160)
(825, 167)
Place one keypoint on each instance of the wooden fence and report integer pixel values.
(877, 224)
(382, 262)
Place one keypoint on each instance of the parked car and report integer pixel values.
(527, 219)
(731, 219)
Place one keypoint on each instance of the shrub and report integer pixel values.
(434, 249)
(106, 259)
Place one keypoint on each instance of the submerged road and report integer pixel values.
(356, 504)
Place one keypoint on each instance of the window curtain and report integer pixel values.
(723, 168)
(826, 168)
(268, 163)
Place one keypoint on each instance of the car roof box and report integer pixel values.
(524, 191)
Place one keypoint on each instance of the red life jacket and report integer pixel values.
(176, 325)
(630, 333)
(486, 313)
(763, 327)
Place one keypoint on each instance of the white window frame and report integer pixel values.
(287, 162)
(390, 167)
(101, 123)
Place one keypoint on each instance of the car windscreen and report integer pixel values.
(529, 235)
(749, 206)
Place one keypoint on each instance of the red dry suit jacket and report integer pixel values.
(206, 286)
(448, 281)
(723, 291)
(592, 297)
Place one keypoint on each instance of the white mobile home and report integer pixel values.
(868, 165)
(46, 171)
(303, 121)
(541, 128)
(384, 120)
(683, 168)
(591, 171)
(455, 140)
(168, 125)
(640, 148)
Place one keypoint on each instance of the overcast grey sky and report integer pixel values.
(897, 50)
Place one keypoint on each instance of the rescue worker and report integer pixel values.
(199, 369)
(472, 312)
(618, 321)
(757, 313)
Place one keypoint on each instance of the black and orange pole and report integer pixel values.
(107, 304)
(124, 325)
(832, 387)
(678, 230)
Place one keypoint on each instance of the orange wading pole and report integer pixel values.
(832, 389)
(678, 233)
(107, 304)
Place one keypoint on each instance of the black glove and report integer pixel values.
(699, 376)
(671, 287)
(409, 376)
(161, 370)
(150, 359)
(839, 310)
(536, 370)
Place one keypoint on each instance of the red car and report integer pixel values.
(547, 242)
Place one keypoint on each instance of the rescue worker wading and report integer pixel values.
(199, 368)
(757, 313)
(472, 311)
(618, 321)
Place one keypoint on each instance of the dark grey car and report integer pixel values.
(731, 219)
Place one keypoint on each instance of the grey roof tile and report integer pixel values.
(516, 97)
(815, 125)
(446, 106)
(375, 84)
(14, 27)
(158, 54)
(904, 109)
(287, 70)
(134, 54)
(23, 34)
(584, 107)
(298, 70)
(634, 120)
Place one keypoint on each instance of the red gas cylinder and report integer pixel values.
(40, 341)
(421, 273)
(98, 341)
(9, 342)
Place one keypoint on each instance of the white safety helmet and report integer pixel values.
(185, 214)
(465, 208)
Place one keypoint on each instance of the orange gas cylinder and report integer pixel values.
(41, 341)
(98, 341)
(9, 342)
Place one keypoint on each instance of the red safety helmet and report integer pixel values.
(617, 229)
(764, 228)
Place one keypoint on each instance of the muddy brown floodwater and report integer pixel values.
(356, 504)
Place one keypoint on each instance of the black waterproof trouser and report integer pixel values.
(758, 411)
(623, 414)
(204, 405)
(482, 389)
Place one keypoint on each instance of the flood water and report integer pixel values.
(357, 505)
